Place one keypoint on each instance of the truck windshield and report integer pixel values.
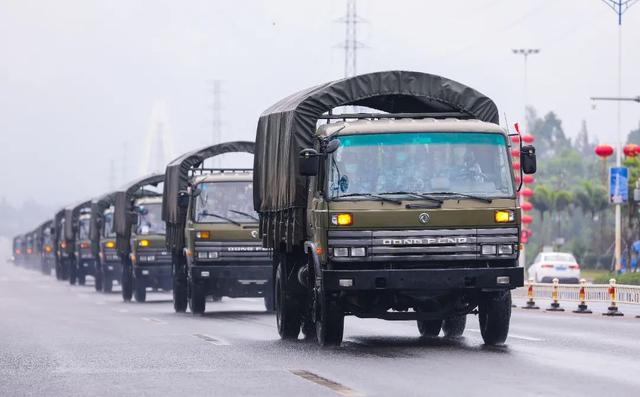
(150, 219)
(109, 231)
(421, 162)
(83, 229)
(225, 202)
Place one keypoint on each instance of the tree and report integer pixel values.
(634, 136)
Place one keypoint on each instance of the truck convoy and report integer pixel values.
(86, 256)
(409, 213)
(213, 231)
(103, 238)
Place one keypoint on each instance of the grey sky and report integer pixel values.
(78, 79)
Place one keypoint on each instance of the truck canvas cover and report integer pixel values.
(280, 193)
(123, 200)
(177, 179)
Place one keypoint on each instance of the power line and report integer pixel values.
(351, 45)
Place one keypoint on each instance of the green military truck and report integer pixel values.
(64, 239)
(103, 238)
(45, 246)
(86, 255)
(140, 238)
(18, 251)
(213, 231)
(409, 213)
(31, 254)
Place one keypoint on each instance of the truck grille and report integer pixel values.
(159, 256)
(231, 251)
(422, 245)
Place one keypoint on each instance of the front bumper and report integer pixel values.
(242, 273)
(156, 271)
(423, 279)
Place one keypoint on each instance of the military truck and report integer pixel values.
(45, 246)
(85, 252)
(408, 212)
(213, 231)
(140, 238)
(30, 253)
(18, 250)
(103, 238)
(65, 255)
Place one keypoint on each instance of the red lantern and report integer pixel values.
(524, 237)
(515, 139)
(528, 139)
(515, 152)
(526, 192)
(517, 179)
(526, 206)
(631, 150)
(528, 179)
(604, 151)
(516, 166)
(526, 219)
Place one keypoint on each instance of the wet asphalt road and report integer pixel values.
(60, 340)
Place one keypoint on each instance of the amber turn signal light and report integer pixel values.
(143, 243)
(203, 235)
(342, 219)
(505, 216)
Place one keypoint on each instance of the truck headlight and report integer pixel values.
(213, 255)
(342, 219)
(505, 249)
(203, 255)
(358, 251)
(342, 251)
(488, 250)
(504, 216)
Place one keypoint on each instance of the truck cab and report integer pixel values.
(224, 255)
(47, 244)
(110, 264)
(149, 256)
(18, 250)
(86, 259)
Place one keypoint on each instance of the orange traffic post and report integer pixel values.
(531, 304)
(555, 305)
(582, 306)
(613, 310)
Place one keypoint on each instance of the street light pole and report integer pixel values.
(525, 52)
(619, 7)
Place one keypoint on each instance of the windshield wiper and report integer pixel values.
(417, 195)
(381, 198)
(248, 215)
(469, 196)
(205, 213)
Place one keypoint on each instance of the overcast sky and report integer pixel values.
(79, 79)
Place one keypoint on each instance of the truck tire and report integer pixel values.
(429, 328)
(197, 299)
(82, 274)
(107, 283)
(73, 273)
(179, 276)
(330, 321)
(453, 327)
(127, 281)
(494, 313)
(269, 304)
(98, 278)
(140, 290)
(288, 313)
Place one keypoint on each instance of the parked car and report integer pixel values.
(550, 265)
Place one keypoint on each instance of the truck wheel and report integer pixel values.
(82, 275)
(216, 298)
(494, 312)
(127, 282)
(330, 321)
(429, 328)
(140, 290)
(453, 327)
(73, 273)
(197, 299)
(107, 283)
(98, 278)
(288, 313)
(180, 296)
(268, 300)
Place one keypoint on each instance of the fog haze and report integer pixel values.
(79, 79)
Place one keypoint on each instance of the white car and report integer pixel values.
(550, 265)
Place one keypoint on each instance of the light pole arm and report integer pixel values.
(604, 98)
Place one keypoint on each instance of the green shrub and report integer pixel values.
(627, 279)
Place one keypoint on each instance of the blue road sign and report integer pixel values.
(618, 189)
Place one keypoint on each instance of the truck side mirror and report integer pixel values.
(183, 199)
(528, 159)
(309, 162)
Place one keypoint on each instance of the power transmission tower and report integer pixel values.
(619, 7)
(158, 147)
(351, 45)
(216, 115)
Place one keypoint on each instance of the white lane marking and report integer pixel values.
(153, 320)
(328, 383)
(212, 340)
(514, 336)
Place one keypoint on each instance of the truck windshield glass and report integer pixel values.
(83, 229)
(225, 202)
(431, 162)
(150, 219)
(109, 231)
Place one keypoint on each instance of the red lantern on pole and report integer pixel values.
(603, 151)
(515, 139)
(526, 192)
(528, 139)
(515, 152)
(631, 150)
(528, 179)
(526, 206)
(516, 166)
(527, 219)
(524, 237)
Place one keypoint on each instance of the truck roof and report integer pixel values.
(225, 177)
(149, 200)
(407, 125)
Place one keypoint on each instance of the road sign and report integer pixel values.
(618, 189)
